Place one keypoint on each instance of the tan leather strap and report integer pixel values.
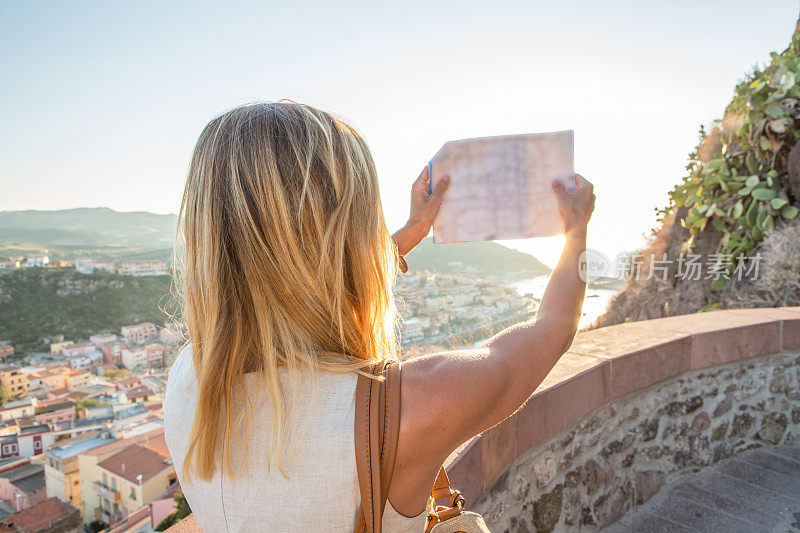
(441, 489)
(377, 427)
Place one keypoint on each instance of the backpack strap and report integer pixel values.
(377, 427)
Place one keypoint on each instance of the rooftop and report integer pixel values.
(136, 460)
(152, 439)
(48, 515)
(77, 447)
(27, 478)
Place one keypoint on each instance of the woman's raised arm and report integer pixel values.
(450, 397)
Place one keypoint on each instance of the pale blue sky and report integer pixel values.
(102, 101)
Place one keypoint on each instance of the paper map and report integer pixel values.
(500, 187)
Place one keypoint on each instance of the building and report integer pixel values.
(90, 473)
(57, 347)
(23, 486)
(131, 479)
(62, 477)
(101, 339)
(37, 261)
(79, 362)
(18, 409)
(143, 268)
(50, 515)
(139, 332)
(13, 381)
(141, 393)
(73, 350)
(28, 442)
(143, 356)
(87, 265)
(127, 383)
(78, 378)
(55, 411)
(6, 350)
(112, 352)
(55, 378)
(35, 379)
(9, 265)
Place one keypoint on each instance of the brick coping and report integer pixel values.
(605, 364)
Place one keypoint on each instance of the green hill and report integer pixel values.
(36, 303)
(483, 256)
(89, 226)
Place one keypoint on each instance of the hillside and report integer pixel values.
(483, 256)
(98, 232)
(736, 210)
(35, 303)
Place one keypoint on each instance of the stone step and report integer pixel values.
(758, 490)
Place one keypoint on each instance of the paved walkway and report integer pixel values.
(758, 490)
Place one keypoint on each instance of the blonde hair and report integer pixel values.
(286, 262)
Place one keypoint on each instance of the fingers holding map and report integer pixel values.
(501, 186)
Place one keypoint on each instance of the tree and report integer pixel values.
(83, 403)
(181, 511)
(118, 373)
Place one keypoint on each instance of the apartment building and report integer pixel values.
(131, 479)
(9, 265)
(80, 362)
(112, 351)
(78, 378)
(57, 347)
(83, 348)
(101, 339)
(87, 265)
(55, 378)
(6, 350)
(14, 381)
(61, 468)
(138, 333)
(143, 356)
(90, 473)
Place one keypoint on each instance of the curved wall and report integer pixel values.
(630, 405)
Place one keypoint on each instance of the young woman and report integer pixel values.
(287, 278)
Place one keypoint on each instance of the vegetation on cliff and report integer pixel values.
(737, 208)
(36, 303)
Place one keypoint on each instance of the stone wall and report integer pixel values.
(592, 473)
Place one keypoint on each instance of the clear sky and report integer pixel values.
(102, 101)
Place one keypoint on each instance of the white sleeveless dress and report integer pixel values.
(321, 492)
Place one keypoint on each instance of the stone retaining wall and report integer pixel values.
(627, 407)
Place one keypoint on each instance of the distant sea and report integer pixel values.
(595, 303)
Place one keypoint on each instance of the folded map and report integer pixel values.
(501, 188)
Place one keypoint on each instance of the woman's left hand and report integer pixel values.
(424, 208)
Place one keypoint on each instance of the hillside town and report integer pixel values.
(87, 265)
(82, 436)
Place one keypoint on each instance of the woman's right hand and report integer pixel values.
(576, 207)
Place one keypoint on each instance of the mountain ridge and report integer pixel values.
(105, 233)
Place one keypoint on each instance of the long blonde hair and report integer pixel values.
(286, 262)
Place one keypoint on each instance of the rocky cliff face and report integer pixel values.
(730, 234)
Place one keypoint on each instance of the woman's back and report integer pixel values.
(321, 492)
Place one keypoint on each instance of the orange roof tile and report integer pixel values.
(135, 461)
